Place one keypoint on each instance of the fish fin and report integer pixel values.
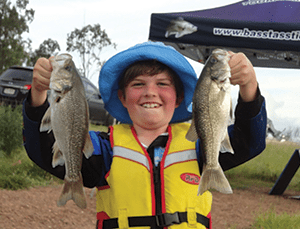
(231, 114)
(231, 111)
(226, 145)
(179, 34)
(214, 178)
(73, 190)
(94, 190)
(58, 158)
(46, 122)
(191, 135)
(88, 148)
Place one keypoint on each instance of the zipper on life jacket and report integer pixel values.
(158, 142)
(157, 189)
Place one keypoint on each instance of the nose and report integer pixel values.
(150, 90)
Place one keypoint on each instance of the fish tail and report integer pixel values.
(214, 178)
(73, 190)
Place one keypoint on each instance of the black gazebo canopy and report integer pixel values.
(267, 31)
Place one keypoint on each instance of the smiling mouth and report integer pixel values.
(150, 105)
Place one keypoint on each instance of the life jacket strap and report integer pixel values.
(157, 221)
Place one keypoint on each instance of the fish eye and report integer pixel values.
(213, 60)
(68, 68)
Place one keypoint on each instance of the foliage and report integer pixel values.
(292, 133)
(19, 172)
(10, 129)
(47, 49)
(88, 42)
(13, 23)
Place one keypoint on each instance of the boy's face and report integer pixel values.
(150, 100)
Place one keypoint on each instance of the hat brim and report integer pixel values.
(114, 68)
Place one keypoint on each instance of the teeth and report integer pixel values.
(153, 105)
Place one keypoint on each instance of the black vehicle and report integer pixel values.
(98, 114)
(15, 83)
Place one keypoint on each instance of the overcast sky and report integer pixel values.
(127, 23)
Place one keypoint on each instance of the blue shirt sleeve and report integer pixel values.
(102, 147)
(96, 167)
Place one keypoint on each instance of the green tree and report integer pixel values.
(13, 23)
(47, 49)
(89, 42)
(11, 129)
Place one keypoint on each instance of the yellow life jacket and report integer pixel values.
(130, 192)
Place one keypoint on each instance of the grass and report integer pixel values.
(266, 168)
(97, 128)
(271, 220)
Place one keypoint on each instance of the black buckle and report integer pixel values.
(167, 219)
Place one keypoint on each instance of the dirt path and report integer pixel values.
(241, 208)
(35, 208)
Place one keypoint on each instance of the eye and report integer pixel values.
(213, 60)
(136, 84)
(68, 68)
(162, 84)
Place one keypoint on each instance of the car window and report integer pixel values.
(17, 75)
(91, 91)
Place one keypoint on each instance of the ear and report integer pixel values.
(179, 99)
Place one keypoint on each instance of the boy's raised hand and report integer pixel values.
(40, 81)
(243, 74)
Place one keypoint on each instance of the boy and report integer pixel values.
(146, 172)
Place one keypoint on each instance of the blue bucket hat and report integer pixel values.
(114, 68)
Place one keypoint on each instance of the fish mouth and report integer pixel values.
(220, 52)
(63, 59)
(221, 55)
(150, 105)
(221, 76)
(61, 90)
(221, 81)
